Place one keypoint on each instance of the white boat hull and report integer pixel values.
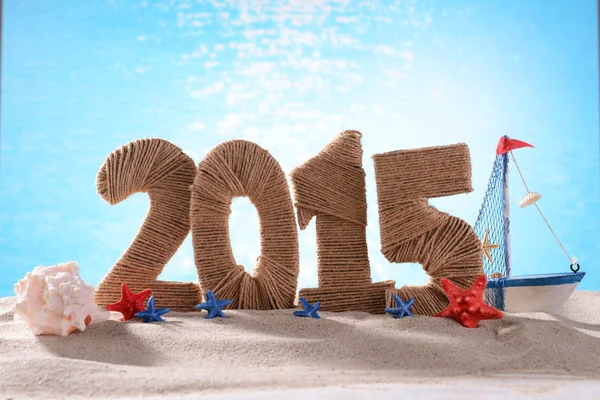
(533, 293)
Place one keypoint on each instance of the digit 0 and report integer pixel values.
(241, 168)
(163, 171)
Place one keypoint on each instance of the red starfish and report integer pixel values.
(467, 306)
(130, 303)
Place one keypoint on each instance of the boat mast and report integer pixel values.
(506, 217)
(538, 208)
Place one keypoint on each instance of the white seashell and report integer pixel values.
(55, 301)
(529, 199)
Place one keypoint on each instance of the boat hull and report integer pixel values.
(532, 293)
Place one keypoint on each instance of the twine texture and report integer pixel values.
(162, 170)
(331, 187)
(233, 169)
(414, 231)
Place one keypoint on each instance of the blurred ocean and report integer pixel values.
(80, 79)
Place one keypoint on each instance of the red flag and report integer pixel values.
(507, 144)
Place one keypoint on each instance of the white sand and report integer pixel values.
(274, 355)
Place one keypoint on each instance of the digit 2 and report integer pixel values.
(163, 171)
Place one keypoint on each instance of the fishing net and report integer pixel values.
(494, 218)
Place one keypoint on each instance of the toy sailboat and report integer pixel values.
(516, 294)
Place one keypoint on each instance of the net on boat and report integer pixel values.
(494, 218)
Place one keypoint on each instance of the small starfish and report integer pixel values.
(152, 314)
(130, 303)
(487, 246)
(309, 311)
(213, 306)
(402, 309)
(467, 306)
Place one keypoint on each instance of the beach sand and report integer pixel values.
(275, 355)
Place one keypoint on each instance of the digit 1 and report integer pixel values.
(413, 231)
(163, 171)
(331, 187)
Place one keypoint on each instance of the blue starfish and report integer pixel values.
(309, 311)
(213, 306)
(151, 314)
(402, 309)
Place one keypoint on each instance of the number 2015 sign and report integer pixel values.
(329, 188)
